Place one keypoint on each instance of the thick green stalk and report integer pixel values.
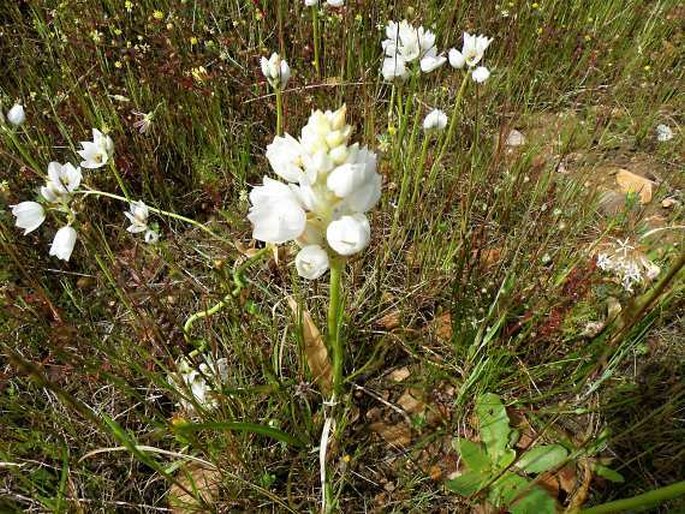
(641, 501)
(279, 112)
(334, 323)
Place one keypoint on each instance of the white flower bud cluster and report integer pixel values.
(630, 266)
(330, 185)
(276, 71)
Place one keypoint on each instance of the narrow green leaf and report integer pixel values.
(494, 425)
(467, 484)
(473, 454)
(542, 458)
(239, 426)
(609, 474)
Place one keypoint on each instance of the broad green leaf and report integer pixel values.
(542, 458)
(609, 474)
(534, 500)
(507, 488)
(467, 484)
(494, 425)
(506, 459)
(473, 454)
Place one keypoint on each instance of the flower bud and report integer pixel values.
(311, 262)
(16, 115)
(349, 234)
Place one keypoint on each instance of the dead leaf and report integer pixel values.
(314, 349)
(400, 374)
(442, 326)
(391, 320)
(410, 404)
(199, 479)
(398, 435)
(629, 182)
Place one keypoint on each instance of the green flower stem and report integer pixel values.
(419, 169)
(334, 323)
(120, 181)
(315, 29)
(453, 123)
(197, 224)
(393, 90)
(641, 501)
(239, 282)
(279, 112)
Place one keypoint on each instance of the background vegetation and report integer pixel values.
(486, 284)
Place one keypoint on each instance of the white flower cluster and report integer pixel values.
(16, 115)
(627, 264)
(471, 55)
(404, 44)
(62, 182)
(330, 185)
(202, 383)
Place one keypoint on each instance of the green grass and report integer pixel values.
(497, 239)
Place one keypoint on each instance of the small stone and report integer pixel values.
(629, 182)
(663, 133)
(515, 138)
(667, 203)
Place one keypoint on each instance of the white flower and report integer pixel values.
(285, 157)
(311, 3)
(472, 52)
(456, 58)
(480, 74)
(138, 215)
(276, 214)
(663, 133)
(311, 262)
(276, 71)
(331, 185)
(349, 234)
(30, 215)
(63, 243)
(97, 152)
(62, 180)
(335, 3)
(151, 236)
(431, 61)
(202, 382)
(394, 68)
(144, 121)
(435, 120)
(404, 44)
(16, 115)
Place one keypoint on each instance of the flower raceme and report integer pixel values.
(405, 44)
(329, 186)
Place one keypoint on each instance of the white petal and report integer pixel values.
(480, 74)
(30, 215)
(63, 243)
(456, 59)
